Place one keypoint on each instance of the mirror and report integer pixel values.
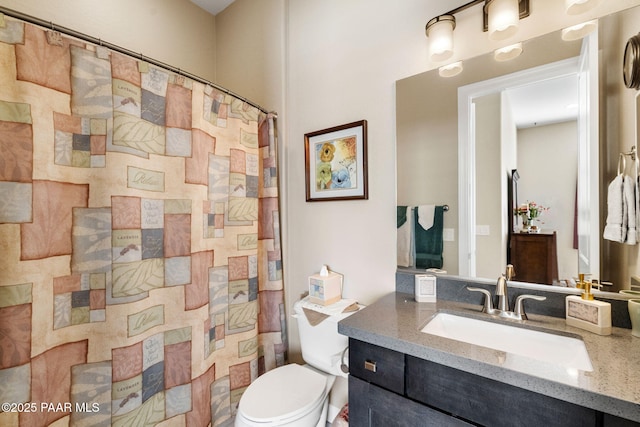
(431, 170)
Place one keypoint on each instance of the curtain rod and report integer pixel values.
(50, 25)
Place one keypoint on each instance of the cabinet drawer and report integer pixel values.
(489, 402)
(377, 365)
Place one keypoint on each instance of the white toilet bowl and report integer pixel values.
(296, 395)
(291, 395)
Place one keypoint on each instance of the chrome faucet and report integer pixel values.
(503, 299)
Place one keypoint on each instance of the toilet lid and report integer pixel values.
(283, 393)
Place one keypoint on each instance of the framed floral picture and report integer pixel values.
(336, 163)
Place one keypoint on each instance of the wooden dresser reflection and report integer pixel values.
(534, 257)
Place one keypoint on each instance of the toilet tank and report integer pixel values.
(322, 346)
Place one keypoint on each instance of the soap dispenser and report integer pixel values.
(587, 313)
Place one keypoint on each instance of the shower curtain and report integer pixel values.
(140, 261)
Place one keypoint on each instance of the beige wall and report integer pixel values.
(250, 40)
(175, 32)
(343, 60)
(490, 176)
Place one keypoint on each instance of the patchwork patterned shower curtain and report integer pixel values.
(140, 263)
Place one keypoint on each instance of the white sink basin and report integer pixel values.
(559, 350)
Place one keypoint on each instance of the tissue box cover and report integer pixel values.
(325, 290)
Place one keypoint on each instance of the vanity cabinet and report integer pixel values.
(388, 388)
(534, 257)
(376, 391)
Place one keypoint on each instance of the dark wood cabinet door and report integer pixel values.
(534, 257)
(376, 407)
(488, 402)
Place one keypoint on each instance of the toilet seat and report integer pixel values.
(283, 394)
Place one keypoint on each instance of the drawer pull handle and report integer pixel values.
(370, 366)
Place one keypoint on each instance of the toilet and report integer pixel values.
(301, 395)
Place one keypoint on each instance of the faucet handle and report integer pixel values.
(510, 272)
(488, 303)
(519, 305)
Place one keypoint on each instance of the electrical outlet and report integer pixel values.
(448, 235)
(483, 230)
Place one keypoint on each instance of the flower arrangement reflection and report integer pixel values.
(530, 212)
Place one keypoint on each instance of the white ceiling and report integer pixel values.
(213, 6)
(545, 102)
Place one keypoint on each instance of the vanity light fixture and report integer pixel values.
(576, 7)
(450, 70)
(508, 52)
(439, 31)
(576, 32)
(500, 19)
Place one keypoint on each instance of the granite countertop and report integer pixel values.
(395, 320)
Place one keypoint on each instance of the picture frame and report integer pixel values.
(336, 163)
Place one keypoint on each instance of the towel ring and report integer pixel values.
(622, 160)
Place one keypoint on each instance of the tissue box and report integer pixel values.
(325, 290)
